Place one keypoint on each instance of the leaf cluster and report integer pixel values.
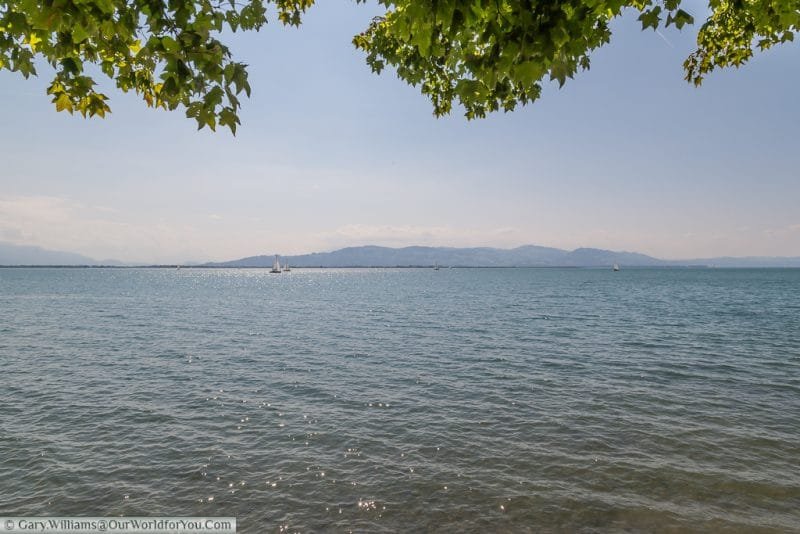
(166, 51)
(736, 29)
(489, 55)
(485, 55)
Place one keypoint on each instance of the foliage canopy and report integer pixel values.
(485, 55)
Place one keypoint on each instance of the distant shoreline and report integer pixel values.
(372, 256)
(590, 267)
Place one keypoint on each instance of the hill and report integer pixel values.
(525, 256)
(27, 255)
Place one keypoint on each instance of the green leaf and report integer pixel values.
(651, 18)
(79, 33)
(170, 44)
(682, 18)
(63, 102)
(528, 72)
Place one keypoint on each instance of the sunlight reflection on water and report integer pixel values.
(413, 400)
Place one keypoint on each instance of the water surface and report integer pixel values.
(459, 400)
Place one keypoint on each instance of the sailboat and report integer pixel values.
(276, 265)
(615, 268)
(286, 267)
(436, 266)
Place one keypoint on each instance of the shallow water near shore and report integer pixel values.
(372, 400)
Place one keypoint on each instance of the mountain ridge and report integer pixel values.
(415, 256)
(23, 255)
(523, 256)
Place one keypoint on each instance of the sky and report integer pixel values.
(627, 156)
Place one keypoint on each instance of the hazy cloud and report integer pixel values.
(96, 231)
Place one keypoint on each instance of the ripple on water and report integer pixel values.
(520, 400)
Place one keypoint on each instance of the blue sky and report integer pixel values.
(627, 156)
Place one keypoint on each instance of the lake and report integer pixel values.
(386, 400)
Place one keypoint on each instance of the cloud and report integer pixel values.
(132, 233)
(32, 218)
(102, 233)
(11, 235)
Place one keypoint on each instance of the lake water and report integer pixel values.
(408, 400)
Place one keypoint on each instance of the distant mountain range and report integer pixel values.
(525, 256)
(374, 256)
(26, 255)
